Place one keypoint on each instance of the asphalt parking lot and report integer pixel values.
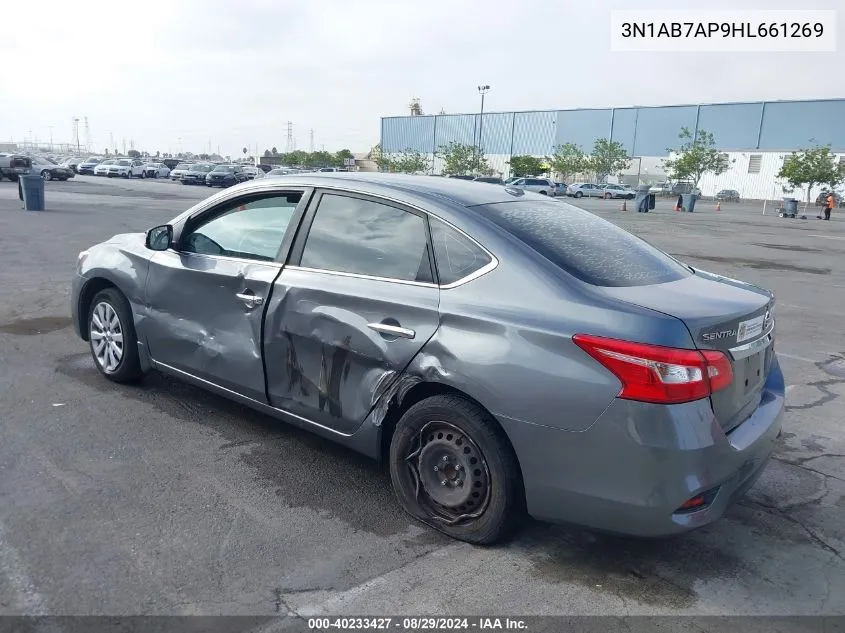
(163, 499)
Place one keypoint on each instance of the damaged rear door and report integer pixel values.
(355, 304)
(206, 297)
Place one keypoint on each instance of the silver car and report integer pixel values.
(617, 191)
(538, 185)
(501, 356)
(584, 190)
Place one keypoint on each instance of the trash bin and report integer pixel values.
(642, 199)
(688, 202)
(790, 207)
(32, 191)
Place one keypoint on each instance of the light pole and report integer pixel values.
(482, 90)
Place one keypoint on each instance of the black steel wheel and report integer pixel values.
(453, 468)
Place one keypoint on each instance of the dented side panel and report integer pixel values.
(323, 360)
(196, 323)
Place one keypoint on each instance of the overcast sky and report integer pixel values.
(232, 73)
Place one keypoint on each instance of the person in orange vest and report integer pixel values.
(829, 206)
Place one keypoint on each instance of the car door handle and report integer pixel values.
(392, 330)
(249, 299)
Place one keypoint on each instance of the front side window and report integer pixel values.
(250, 230)
(359, 236)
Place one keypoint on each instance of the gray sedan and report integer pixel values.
(503, 353)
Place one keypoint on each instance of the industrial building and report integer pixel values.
(756, 136)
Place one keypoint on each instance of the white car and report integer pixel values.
(617, 191)
(156, 170)
(253, 173)
(126, 168)
(585, 190)
(177, 172)
(103, 168)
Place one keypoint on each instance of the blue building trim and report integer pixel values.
(736, 126)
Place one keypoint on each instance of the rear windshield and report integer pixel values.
(589, 248)
(183, 166)
(224, 168)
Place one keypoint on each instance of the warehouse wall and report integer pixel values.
(644, 131)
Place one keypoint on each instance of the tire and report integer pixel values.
(470, 441)
(46, 175)
(544, 193)
(143, 174)
(111, 303)
(607, 196)
(579, 194)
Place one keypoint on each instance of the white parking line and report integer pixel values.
(827, 237)
(789, 388)
(25, 597)
(801, 358)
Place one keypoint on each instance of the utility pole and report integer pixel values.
(289, 145)
(482, 90)
(88, 144)
(76, 131)
(51, 137)
(311, 143)
(111, 141)
(124, 147)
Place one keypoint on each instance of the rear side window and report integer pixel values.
(354, 235)
(589, 248)
(456, 255)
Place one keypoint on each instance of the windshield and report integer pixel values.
(125, 163)
(202, 168)
(183, 166)
(584, 245)
(110, 161)
(224, 168)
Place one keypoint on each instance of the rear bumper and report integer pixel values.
(630, 472)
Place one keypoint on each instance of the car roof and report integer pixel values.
(402, 186)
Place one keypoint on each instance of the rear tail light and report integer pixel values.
(665, 375)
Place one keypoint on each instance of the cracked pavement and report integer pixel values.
(163, 499)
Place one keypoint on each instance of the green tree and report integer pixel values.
(696, 156)
(133, 153)
(608, 157)
(295, 158)
(320, 159)
(341, 156)
(409, 162)
(382, 160)
(526, 166)
(266, 153)
(462, 160)
(568, 159)
(274, 152)
(810, 167)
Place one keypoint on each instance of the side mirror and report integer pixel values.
(160, 238)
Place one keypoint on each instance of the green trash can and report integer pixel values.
(31, 190)
(688, 201)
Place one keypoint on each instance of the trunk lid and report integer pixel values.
(721, 314)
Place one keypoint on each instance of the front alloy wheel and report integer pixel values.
(111, 336)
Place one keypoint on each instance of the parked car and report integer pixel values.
(728, 195)
(49, 170)
(126, 168)
(821, 199)
(14, 165)
(156, 170)
(680, 188)
(196, 173)
(87, 166)
(584, 189)
(266, 168)
(539, 185)
(492, 180)
(661, 189)
(103, 168)
(283, 171)
(462, 177)
(177, 172)
(72, 163)
(560, 188)
(253, 172)
(225, 176)
(499, 355)
(617, 191)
